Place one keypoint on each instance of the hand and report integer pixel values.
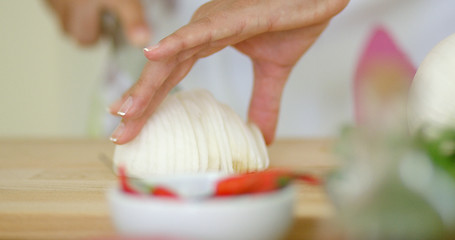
(273, 33)
(81, 19)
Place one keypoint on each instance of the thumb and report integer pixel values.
(132, 19)
(269, 82)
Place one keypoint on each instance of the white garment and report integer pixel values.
(318, 97)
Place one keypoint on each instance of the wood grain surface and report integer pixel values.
(55, 189)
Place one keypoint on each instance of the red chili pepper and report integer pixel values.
(163, 192)
(308, 179)
(271, 180)
(235, 185)
(255, 182)
(260, 182)
(154, 190)
(124, 181)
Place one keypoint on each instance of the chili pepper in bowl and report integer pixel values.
(157, 191)
(124, 181)
(260, 182)
(249, 183)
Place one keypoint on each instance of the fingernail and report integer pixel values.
(117, 132)
(140, 37)
(151, 48)
(125, 106)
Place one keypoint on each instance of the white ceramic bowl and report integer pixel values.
(250, 217)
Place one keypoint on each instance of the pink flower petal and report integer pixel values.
(383, 73)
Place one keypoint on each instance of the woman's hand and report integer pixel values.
(81, 19)
(273, 33)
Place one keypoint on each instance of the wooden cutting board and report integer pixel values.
(55, 189)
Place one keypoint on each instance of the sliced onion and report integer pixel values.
(191, 132)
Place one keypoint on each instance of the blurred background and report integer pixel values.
(47, 81)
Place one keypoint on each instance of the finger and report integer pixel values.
(130, 128)
(201, 32)
(269, 82)
(84, 22)
(196, 52)
(153, 76)
(136, 100)
(132, 18)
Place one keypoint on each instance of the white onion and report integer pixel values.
(432, 93)
(191, 132)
